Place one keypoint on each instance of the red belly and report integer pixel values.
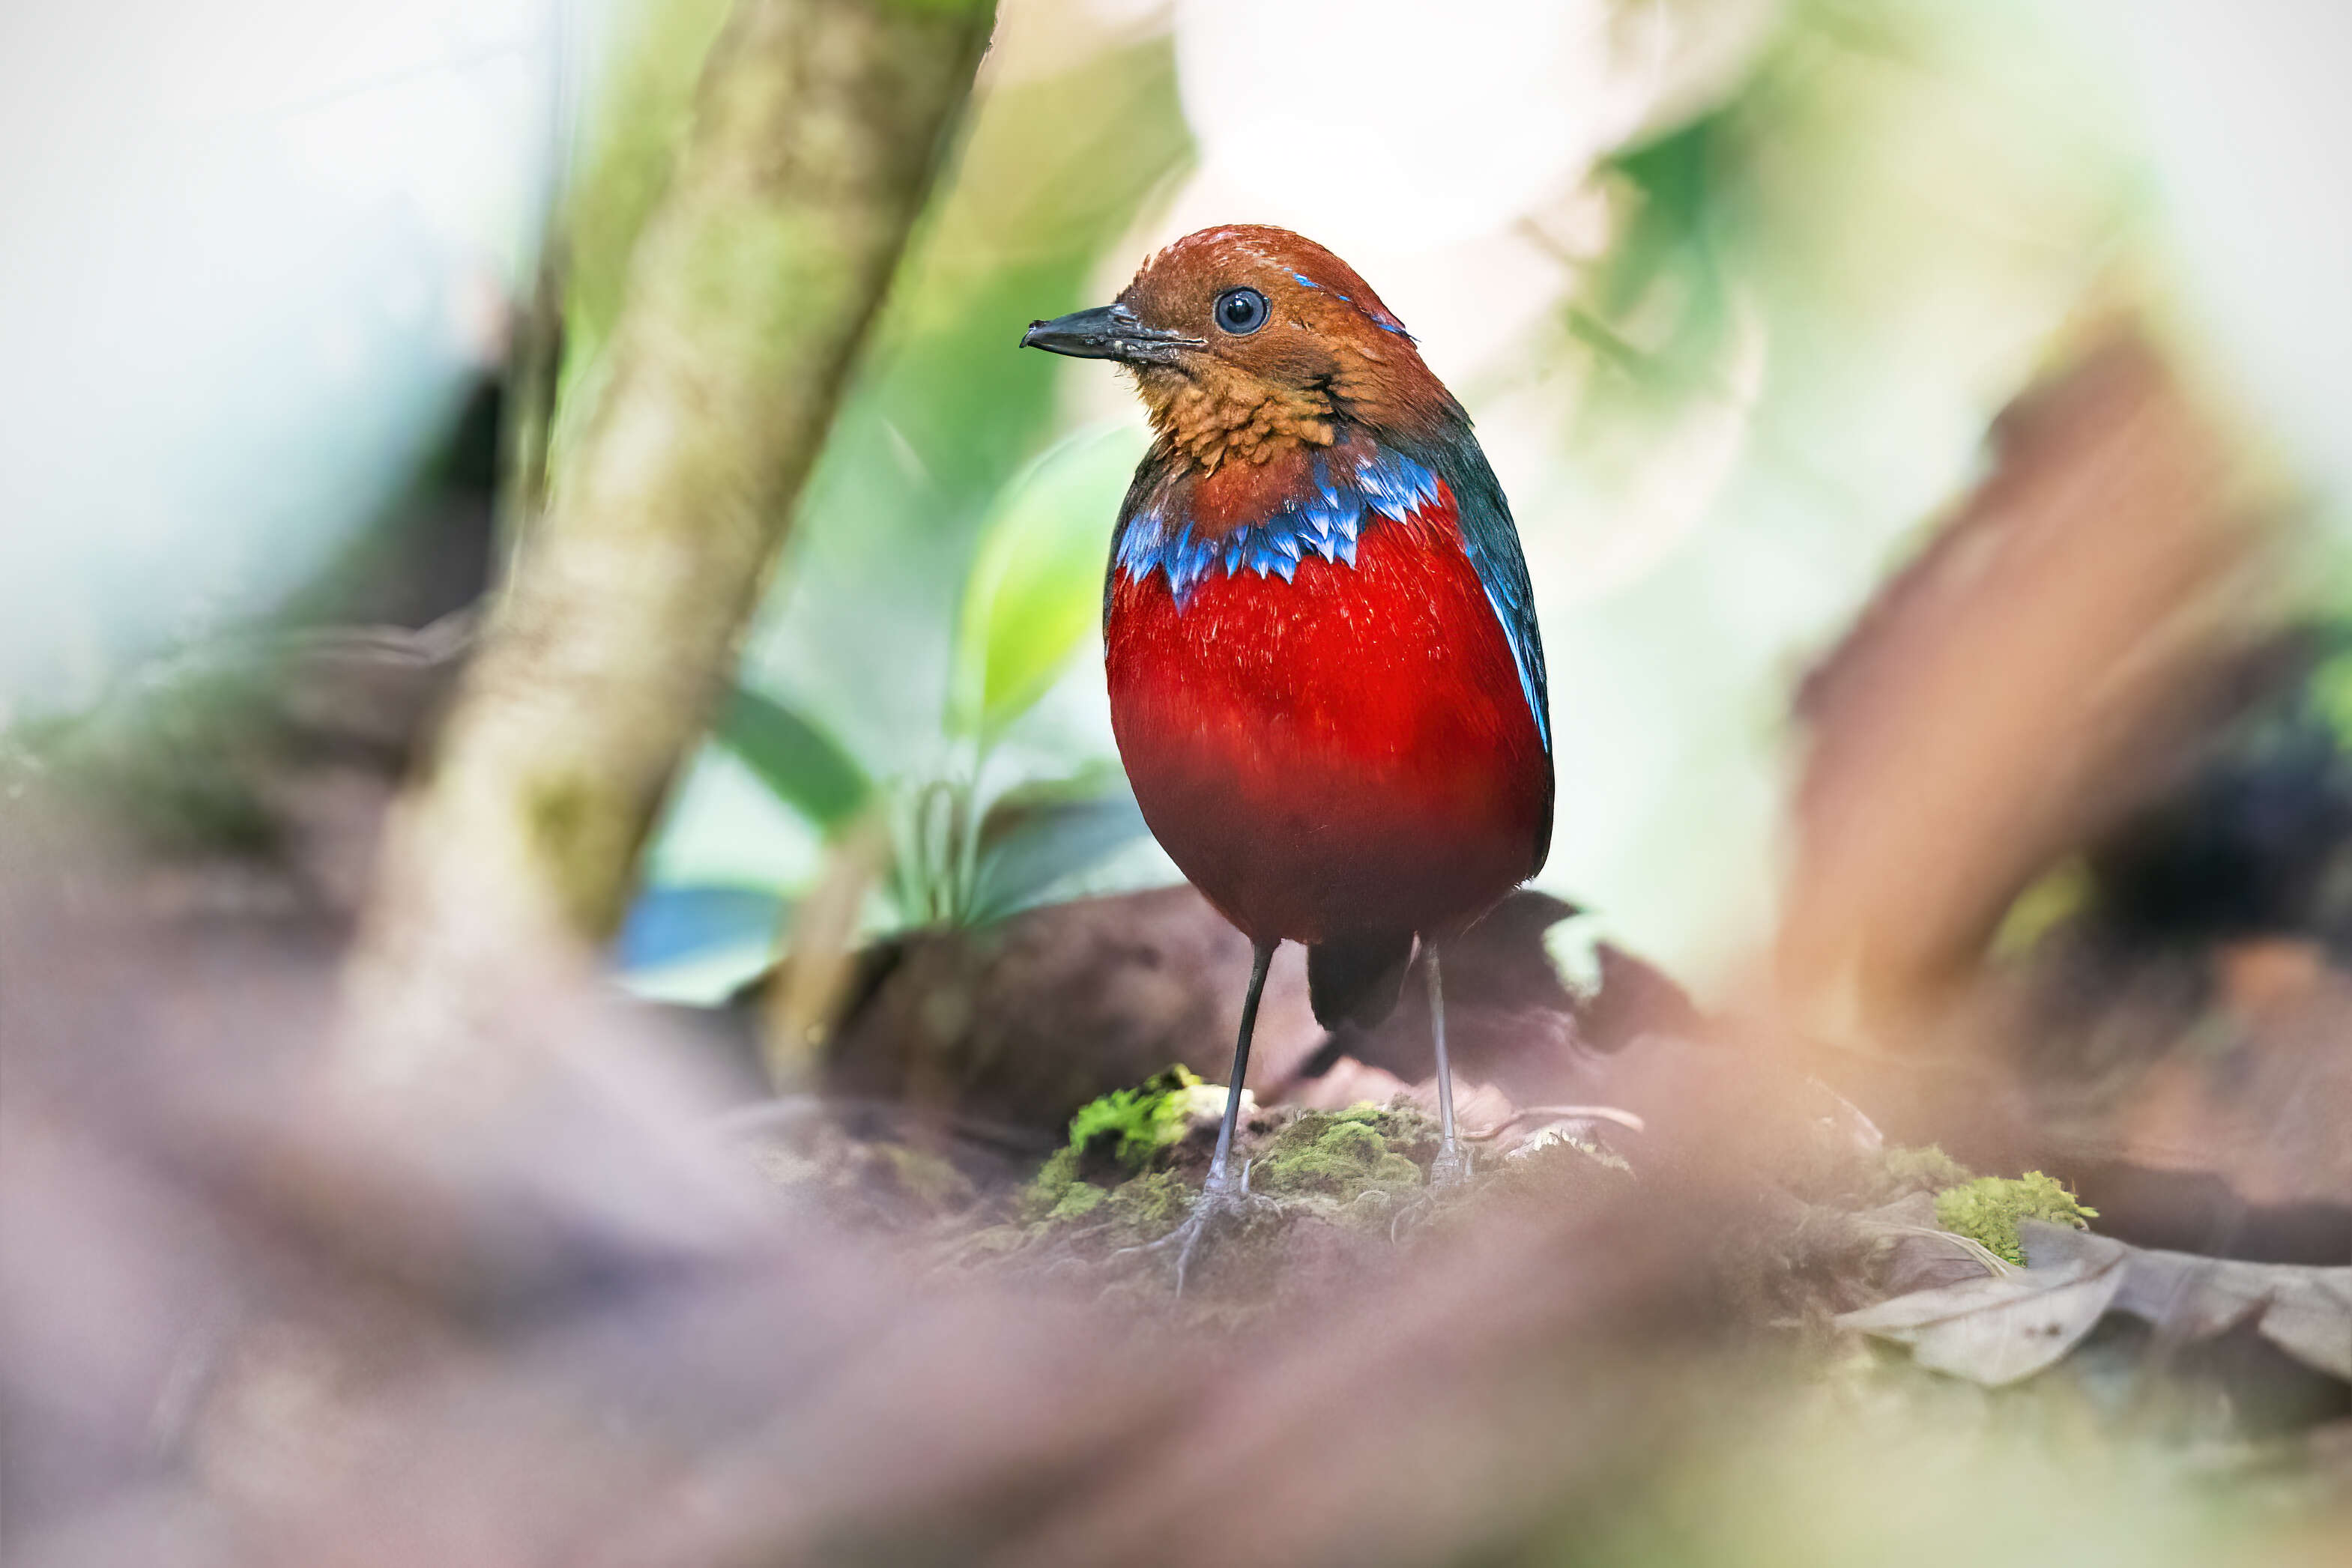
(1349, 751)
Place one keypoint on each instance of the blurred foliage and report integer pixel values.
(1887, 1465)
(1775, 353)
(178, 750)
(674, 924)
(1032, 596)
(1034, 588)
(1656, 310)
(803, 767)
(1035, 835)
(947, 413)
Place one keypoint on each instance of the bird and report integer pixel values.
(1326, 677)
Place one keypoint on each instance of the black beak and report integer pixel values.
(1107, 332)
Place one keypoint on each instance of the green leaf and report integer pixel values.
(1035, 587)
(1656, 312)
(805, 767)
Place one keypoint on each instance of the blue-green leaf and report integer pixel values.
(668, 925)
(1039, 836)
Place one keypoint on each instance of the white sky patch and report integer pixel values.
(1395, 127)
(249, 245)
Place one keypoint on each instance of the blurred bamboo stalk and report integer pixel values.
(817, 124)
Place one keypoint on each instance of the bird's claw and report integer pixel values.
(1449, 1172)
(1450, 1168)
(1220, 1203)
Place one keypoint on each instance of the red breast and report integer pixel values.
(1348, 750)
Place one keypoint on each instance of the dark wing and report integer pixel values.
(1356, 979)
(1493, 541)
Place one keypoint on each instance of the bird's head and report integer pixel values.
(1247, 341)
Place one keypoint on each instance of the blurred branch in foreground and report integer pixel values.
(816, 128)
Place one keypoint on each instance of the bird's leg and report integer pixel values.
(1223, 1197)
(1451, 1165)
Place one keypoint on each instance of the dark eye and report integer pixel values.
(1242, 312)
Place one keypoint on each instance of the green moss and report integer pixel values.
(922, 1178)
(1987, 1209)
(1831, 1173)
(1337, 1153)
(1151, 1204)
(1135, 1124)
(1905, 1171)
(1058, 1192)
(1129, 1130)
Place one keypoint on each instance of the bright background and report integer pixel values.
(1732, 288)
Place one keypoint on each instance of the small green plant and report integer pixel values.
(1134, 1124)
(961, 851)
(1128, 1129)
(1987, 1210)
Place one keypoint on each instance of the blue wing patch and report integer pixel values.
(1492, 542)
(1502, 572)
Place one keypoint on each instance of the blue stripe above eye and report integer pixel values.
(1381, 318)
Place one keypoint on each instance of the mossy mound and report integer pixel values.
(1059, 1192)
(1121, 1164)
(877, 1182)
(1341, 1155)
(1116, 1141)
(1335, 1193)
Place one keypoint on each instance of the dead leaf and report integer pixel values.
(1923, 1256)
(1998, 1330)
(2305, 1311)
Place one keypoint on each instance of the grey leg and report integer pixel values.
(1452, 1165)
(1222, 1196)
(1218, 1162)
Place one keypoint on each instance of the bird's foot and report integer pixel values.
(1224, 1205)
(1449, 1173)
(1451, 1168)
